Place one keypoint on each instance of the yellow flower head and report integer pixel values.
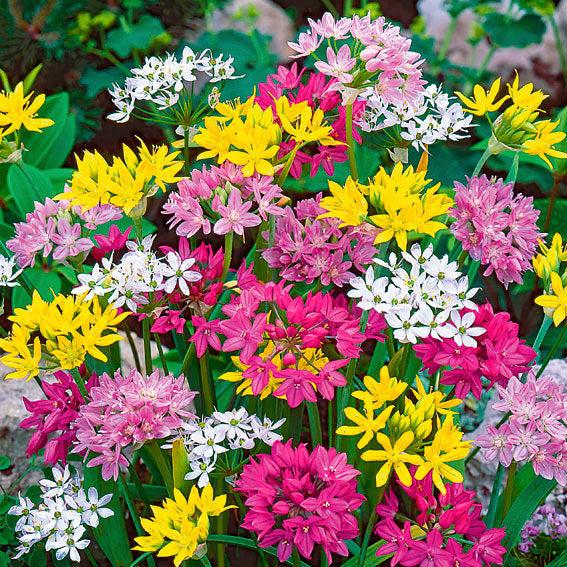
(525, 97)
(17, 111)
(550, 258)
(556, 301)
(346, 203)
(377, 394)
(180, 524)
(483, 101)
(545, 138)
(366, 424)
(69, 328)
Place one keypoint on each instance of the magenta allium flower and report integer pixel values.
(301, 499)
(54, 415)
(205, 335)
(115, 240)
(127, 411)
(455, 513)
(495, 227)
(499, 355)
(536, 429)
(306, 249)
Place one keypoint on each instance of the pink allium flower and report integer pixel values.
(54, 415)
(338, 64)
(495, 227)
(126, 411)
(301, 499)
(68, 240)
(536, 429)
(499, 355)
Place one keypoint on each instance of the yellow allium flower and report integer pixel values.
(309, 127)
(366, 424)
(378, 393)
(387, 189)
(346, 203)
(551, 257)
(216, 138)
(525, 97)
(436, 398)
(545, 138)
(556, 301)
(483, 101)
(393, 457)
(394, 224)
(234, 108)
(17, 110)
(180, 524)
(254, 153)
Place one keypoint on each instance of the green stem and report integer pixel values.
(559, 45)
(228, 242)
(483, 159)
(552, 351)
(187, 358)
(285, 171)
(314, 423)
(329, 5)
(489, 520)
(485, 61)
(390, 343)
(513, 173)
(130, 340)
(350, 143)
(551, 204)
(159, 459)
(509, 488)
(544, 327)
(330, 421)
(462, 258)
(447, 39)
(80, 383)
(147, 347)
(137, 222)
(367, 534)
(161, 355)
(295, 557)
(186, 150)
(207, 388)
(295, 423)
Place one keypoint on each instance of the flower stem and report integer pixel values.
(80, 383)
(186, 150)
(228, 242)
(296, 559)
(552, 351)
(207, 388)
(285, 171)
(483, 159)
(551, 204)
(509, 488)
(147, 347)
(559, 45)
(187, 359)
(367, 533)
(350, 142)
(447, 39)
(165, 470)
(138, 227)
(314, 423)
(130, 340)
(513, 173)
(161, 355)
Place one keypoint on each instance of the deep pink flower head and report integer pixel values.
(115, 240)
(496, 228)
(54, 415)
(301, 499)
(128, 411)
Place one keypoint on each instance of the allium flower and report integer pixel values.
(536, 429)
(496, 227)
(234, 215)
(128, 411)
(298, 499)
(498, 356)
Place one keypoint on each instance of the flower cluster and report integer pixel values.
(57, 229)
(9, 277)
(496, 227)
(126, 184)
(546, 522)
(140, 272)
(498, 356)
(320, 93)
(536, 429)
(431, 117)
(371, 52)
(307, 248)
(209, 438)
(64, 331)
(517, 128)
(165, 82)
(60, 518)
(422, 296)
(280, 351)
(128, 411)
(222, 196)
(404, 436)
(55, 414)
(298, 499)
(179, 528)
(430, 539)
(402, 200)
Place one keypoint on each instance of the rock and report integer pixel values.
(271, 20)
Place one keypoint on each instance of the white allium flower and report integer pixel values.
(208, 441)
(7, 274)
(68, 543)
(24, 509)
(462, 329)
(233, 424)
(56, 487)
(265, 430)
(177, 273)
(200, 470)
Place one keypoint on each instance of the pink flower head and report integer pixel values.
(234, 215)
(338, 64)
(293, 498)
(115, 240)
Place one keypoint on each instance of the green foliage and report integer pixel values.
(506, 32)
(129, 37)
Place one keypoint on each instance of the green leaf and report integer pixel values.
(111, 533)
(59, 177)
(181, 466)
(5, 560)
(40, 145)
(27, 184)
(507, 32)
(559, 561)
(5, 463)
(30, 78)
(138, 36)
(62, 145)
(47, 284)
(523, 508)
(38, 558)
(371, 559)
(558, 216)
(560, 164)
(97, 80)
